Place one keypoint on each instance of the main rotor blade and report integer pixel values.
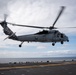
(38, 26)
(62, 8)
(65, 27)
(5, 17)
(28, 26)
(69, 27)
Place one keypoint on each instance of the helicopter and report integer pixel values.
(49, 35)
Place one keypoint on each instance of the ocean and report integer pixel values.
(50, 59)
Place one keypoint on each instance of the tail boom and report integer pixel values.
(8, 31)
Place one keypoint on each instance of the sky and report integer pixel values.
(39, 13)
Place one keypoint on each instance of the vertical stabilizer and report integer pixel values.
(8, 31)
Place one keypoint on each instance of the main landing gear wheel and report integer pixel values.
(53, 44)
(20, 45)
(62, 42)
(67, 40)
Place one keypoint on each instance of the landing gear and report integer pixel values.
(21, 44)
(67, 40)
(62, 42)
(53, 44)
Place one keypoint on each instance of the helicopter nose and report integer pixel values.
(67, 39)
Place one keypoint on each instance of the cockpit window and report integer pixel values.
(43, 32)
(55, 32)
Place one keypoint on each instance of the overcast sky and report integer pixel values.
(39, 13)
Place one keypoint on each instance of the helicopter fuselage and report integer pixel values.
(43, 36)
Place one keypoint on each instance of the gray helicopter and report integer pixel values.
(48, 35)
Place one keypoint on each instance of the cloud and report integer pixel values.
(23, 54)
(19, 54)
(41, 47)
(39, 13)
(61, 53)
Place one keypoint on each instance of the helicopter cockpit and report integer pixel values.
(42, 32)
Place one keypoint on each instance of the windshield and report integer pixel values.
(43, 32)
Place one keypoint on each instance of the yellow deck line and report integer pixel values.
(35, 66)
